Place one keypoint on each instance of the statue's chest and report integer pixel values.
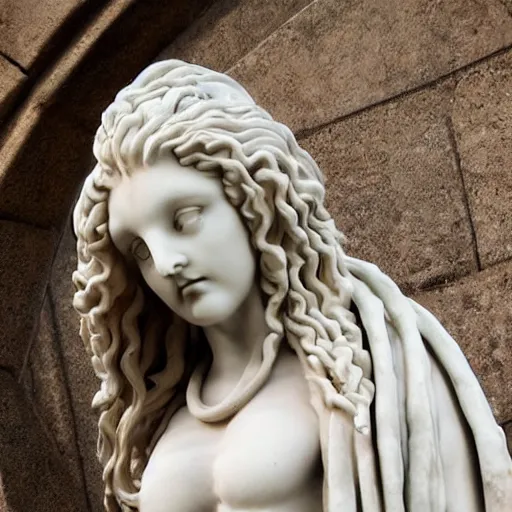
(268, 454)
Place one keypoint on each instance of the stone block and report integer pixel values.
(77, 367)
(28, 26)
(335, 58)
(482, 120)
(34, 476)
(476, 312)
(11, 79)
(47, 387)
(25, 259)
(41, 183)
(393, 188)
(229, 29)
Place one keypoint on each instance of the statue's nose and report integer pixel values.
(171, 264)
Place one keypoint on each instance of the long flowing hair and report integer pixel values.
(207, 120)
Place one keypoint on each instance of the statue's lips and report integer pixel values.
(189, 284)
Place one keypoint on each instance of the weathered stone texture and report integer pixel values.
(394, 190)
(337, 57)
(3, 501)
(46, 385)
(28, 25)
(40, 186)
(10, 80)
(229, 29)
(25, 259)
(34, 476)
(482, 119)
(508, 5)
(77, 367)
(476, 311)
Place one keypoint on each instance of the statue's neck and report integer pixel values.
(238, 360)
(239, 339)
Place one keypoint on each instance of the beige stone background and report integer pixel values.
(405, 104)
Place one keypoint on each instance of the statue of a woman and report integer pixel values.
(247, 363)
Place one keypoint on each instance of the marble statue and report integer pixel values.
(246, 362)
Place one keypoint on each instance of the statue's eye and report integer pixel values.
(139, 249)
(188, 220)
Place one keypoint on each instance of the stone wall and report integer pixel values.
(406, 106)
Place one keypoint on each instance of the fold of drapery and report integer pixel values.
(438, 446)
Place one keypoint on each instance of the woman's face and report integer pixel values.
(189, 242)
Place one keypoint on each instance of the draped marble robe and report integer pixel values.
(411, 470)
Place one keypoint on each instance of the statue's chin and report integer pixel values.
(206, 308)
